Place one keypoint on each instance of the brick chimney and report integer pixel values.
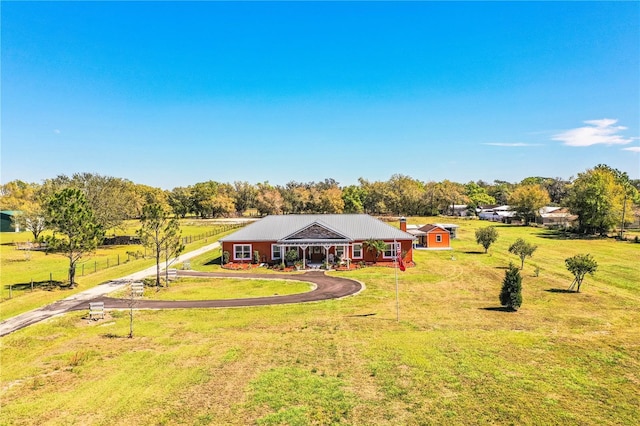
(403, 224)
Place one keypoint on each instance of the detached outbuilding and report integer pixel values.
(7, 223)
(434, 237)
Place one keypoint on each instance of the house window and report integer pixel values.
(390, 251)
(242, 252)
(357, 251)
(276, 252)
(340, 252)
(438, 238)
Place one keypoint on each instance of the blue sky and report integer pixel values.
(171, 94)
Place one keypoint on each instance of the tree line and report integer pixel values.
(602, 197)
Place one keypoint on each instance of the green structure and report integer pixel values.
(6, 224)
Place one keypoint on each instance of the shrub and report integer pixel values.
(225, 257)
(256, 257)
(511, 293)
(291, 256)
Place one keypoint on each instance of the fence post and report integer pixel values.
(32, 285)
(10, 291)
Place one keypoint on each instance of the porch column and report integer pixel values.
(304, 256)
(326, 253)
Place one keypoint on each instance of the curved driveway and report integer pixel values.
(327, 287)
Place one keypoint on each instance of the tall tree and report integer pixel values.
(522, 249)
(180, 201)
(598, 198)
(110, 198)
(331, 201)
(352, 196)
(268, 199)
(527, 200)
(478, 196)
(160, 233)
(244, 197)
(76, 230)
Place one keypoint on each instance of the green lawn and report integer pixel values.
(222, 288)
(18, 268)
(454, 357)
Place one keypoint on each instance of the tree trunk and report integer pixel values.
(72, 275)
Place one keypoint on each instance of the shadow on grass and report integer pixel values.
(502, 267)
(215, 261)
(115, 336)
(473, 252)
(498, 309)
(361, 315)
(554, 234)
(39, 285)
(560, 290)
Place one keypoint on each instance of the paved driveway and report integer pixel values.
(326, 287)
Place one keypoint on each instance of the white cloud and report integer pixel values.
(56, 131)
(596, 132)
(632, 149)
(514, 144)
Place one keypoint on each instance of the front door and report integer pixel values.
(316, 254)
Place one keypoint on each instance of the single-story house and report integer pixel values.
(556, 216)
(498, 214)
(434, 237)
(453, 229)
(316, 237)
(461, 210)
(6, 221)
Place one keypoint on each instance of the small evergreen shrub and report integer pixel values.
(511, 293)
(225, 257)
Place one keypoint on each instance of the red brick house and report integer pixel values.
(316, 237)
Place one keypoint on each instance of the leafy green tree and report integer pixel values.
(180, 201)
(527, 200)
(110, 198)
(478, 196)
(244, 196)
(599, 200)
(501, 190)
(161, 234)
(76, 230)
(26, 199)
(486, 236)
(580, 265)
(522, 249)
(376, 247)
(352, 197)
(511, 293)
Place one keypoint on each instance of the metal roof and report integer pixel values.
(355, 227)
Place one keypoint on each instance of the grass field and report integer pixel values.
(453, 358)
(18, 268)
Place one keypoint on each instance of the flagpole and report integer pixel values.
(395, 267)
